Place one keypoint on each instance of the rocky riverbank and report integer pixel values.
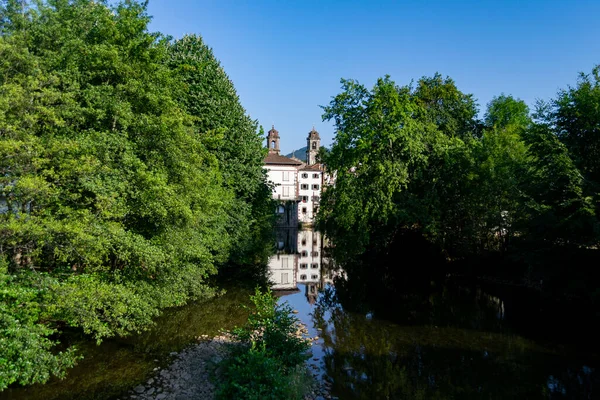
(189, 375)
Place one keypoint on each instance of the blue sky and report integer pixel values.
(287, 57)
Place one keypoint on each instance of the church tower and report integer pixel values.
(273, 141)
(313, 144)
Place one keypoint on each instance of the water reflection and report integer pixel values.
(298, 260)
(379, 340)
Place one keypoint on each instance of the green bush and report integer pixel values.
(268, 362)
(27, 355)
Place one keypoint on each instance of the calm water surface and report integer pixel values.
(114, 367)
(442, 341)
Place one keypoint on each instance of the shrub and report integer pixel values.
(268, 362)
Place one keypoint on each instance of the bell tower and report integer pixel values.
(313, 144)
(273, 140)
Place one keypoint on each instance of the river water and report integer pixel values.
(449, 340)
(381, 335)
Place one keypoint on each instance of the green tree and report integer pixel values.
(377, 147)
(559, 212)
(219, 118)
(575, 118)
(441, 103)
(505, 110)
(117, 201)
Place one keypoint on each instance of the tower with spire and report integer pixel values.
(273, 140)
(313, 144)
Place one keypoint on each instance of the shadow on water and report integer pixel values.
(390, 328)
(116, 366)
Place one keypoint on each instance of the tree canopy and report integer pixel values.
(416, 159)
(130, 172)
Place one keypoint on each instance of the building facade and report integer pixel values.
(298, 185)
(283, 173)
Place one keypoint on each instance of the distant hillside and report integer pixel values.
(299, 154)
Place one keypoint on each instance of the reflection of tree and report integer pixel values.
(367, 358)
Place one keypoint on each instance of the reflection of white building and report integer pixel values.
(284, 264)
(309, 257)
(283, 271)
(299, 260)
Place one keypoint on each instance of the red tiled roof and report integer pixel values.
(273, 158)
(314, 167)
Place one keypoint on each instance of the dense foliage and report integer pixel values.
(416, 160)
(130, 174)
(268, 358)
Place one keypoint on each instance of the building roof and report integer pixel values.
(314, 167)
(273, 158)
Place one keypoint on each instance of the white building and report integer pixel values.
(298, 185)
(310, 181)
(283, 172)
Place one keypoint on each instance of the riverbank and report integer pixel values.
(188, 376)
(193, 372)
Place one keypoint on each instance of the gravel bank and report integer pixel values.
(188, 375)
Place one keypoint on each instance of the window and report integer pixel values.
(304, 186)
(314, 145)
(280, 209)
(315, 254)
(273, 144)
(305, 175)
(302, 277)
(303, 266)
(314, 277)
(315, 187)
(304, 253)
(286, 191)
(314, 266)
(284, 263)
(304, 210)
(286, 175)
(305, 199)
(316, 176)
(284, 278)
(303, 242)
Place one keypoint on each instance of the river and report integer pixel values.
(432, 340)
(448, 340)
